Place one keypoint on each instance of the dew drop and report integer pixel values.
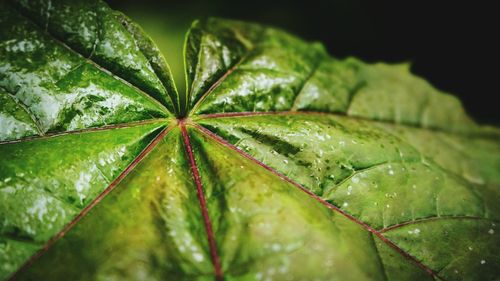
(198, 257)
(416, 231)
(349, 190)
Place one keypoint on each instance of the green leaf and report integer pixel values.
(279, 162)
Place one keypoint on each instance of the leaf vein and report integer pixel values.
(27, 110)
(90, 60)
(157, 139)
(86, 130)
(332, 207)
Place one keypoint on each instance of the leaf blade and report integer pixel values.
(40, 200)
(97, 33)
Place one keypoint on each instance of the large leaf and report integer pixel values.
(278, 163)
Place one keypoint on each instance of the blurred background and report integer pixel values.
(451, 44)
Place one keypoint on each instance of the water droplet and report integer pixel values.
(345, 204)
(198, 257)
(391, 195)
(416, 231)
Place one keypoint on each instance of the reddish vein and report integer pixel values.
(430, 219)
(86, 130)
(96, 201)
(312, 113)
(215, 85)
(242, 114)
(88, 59)
(474, 133)
(203, 203)
(320, 200)
(221, 79)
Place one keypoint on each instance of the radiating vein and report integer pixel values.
(87, 130)
(26, 109)
(478, 133)
(203, 204)
(320, 200)
(217, 83)
(315, 67)
(430, 219)
(89, 60)
(94, 202)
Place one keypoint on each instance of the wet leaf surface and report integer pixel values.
(279, 162)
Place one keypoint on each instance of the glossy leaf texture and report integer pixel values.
(280, 162)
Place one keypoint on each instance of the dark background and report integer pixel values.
(449, 43)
